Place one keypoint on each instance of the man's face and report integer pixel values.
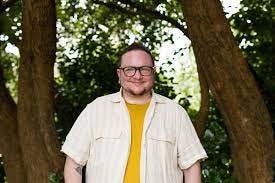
(136, 84)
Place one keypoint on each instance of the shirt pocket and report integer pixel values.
(161, 142)
(161, 155)
(107, 143)
(108, 134)
(161, 136)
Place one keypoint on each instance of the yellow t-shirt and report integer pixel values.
(137, 113)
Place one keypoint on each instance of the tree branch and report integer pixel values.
(138, 10)
(202, 117)
(9, 141)
(6, 4)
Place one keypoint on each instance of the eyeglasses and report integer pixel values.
(131, 71)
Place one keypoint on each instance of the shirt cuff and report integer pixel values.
(69, 152)
(193, 160)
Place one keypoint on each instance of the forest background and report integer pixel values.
(68, 53)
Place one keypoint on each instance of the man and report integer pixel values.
(134, 135)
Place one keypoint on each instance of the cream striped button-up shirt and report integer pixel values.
(101, 139)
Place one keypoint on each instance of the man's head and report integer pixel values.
(136, 46)
(136, 72)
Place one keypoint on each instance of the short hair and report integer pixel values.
(136, 46)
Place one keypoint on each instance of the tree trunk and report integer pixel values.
(37, 134)
(245, 114)
(9, 141)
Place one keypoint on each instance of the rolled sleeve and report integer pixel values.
(79, 140)
(189, 146)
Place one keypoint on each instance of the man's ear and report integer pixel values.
(118, 71)
(118, 75)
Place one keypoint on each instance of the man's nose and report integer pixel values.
(137, 74)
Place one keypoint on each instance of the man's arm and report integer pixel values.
(72, 171)
(193, 173)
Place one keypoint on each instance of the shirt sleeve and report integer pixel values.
(189, 146)
(79, 139)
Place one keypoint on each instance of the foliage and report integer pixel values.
(2, 172)
(10, 33)
(10, 21)
(10, 63)
(218, 167)
(55, 178)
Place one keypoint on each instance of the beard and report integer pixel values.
(138, 91)
(137, 88)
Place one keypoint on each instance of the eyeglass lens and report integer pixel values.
(131, 71)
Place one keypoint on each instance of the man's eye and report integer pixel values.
(145, 69)
(129, 69)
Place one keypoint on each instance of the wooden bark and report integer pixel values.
(202, 117)
(9, 141)
(245, 114)
(37, 134)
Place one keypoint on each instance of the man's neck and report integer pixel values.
(137, 99)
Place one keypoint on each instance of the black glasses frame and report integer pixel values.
(139, 69)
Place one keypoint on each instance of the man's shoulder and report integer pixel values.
(162, 99)
(169, 103)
